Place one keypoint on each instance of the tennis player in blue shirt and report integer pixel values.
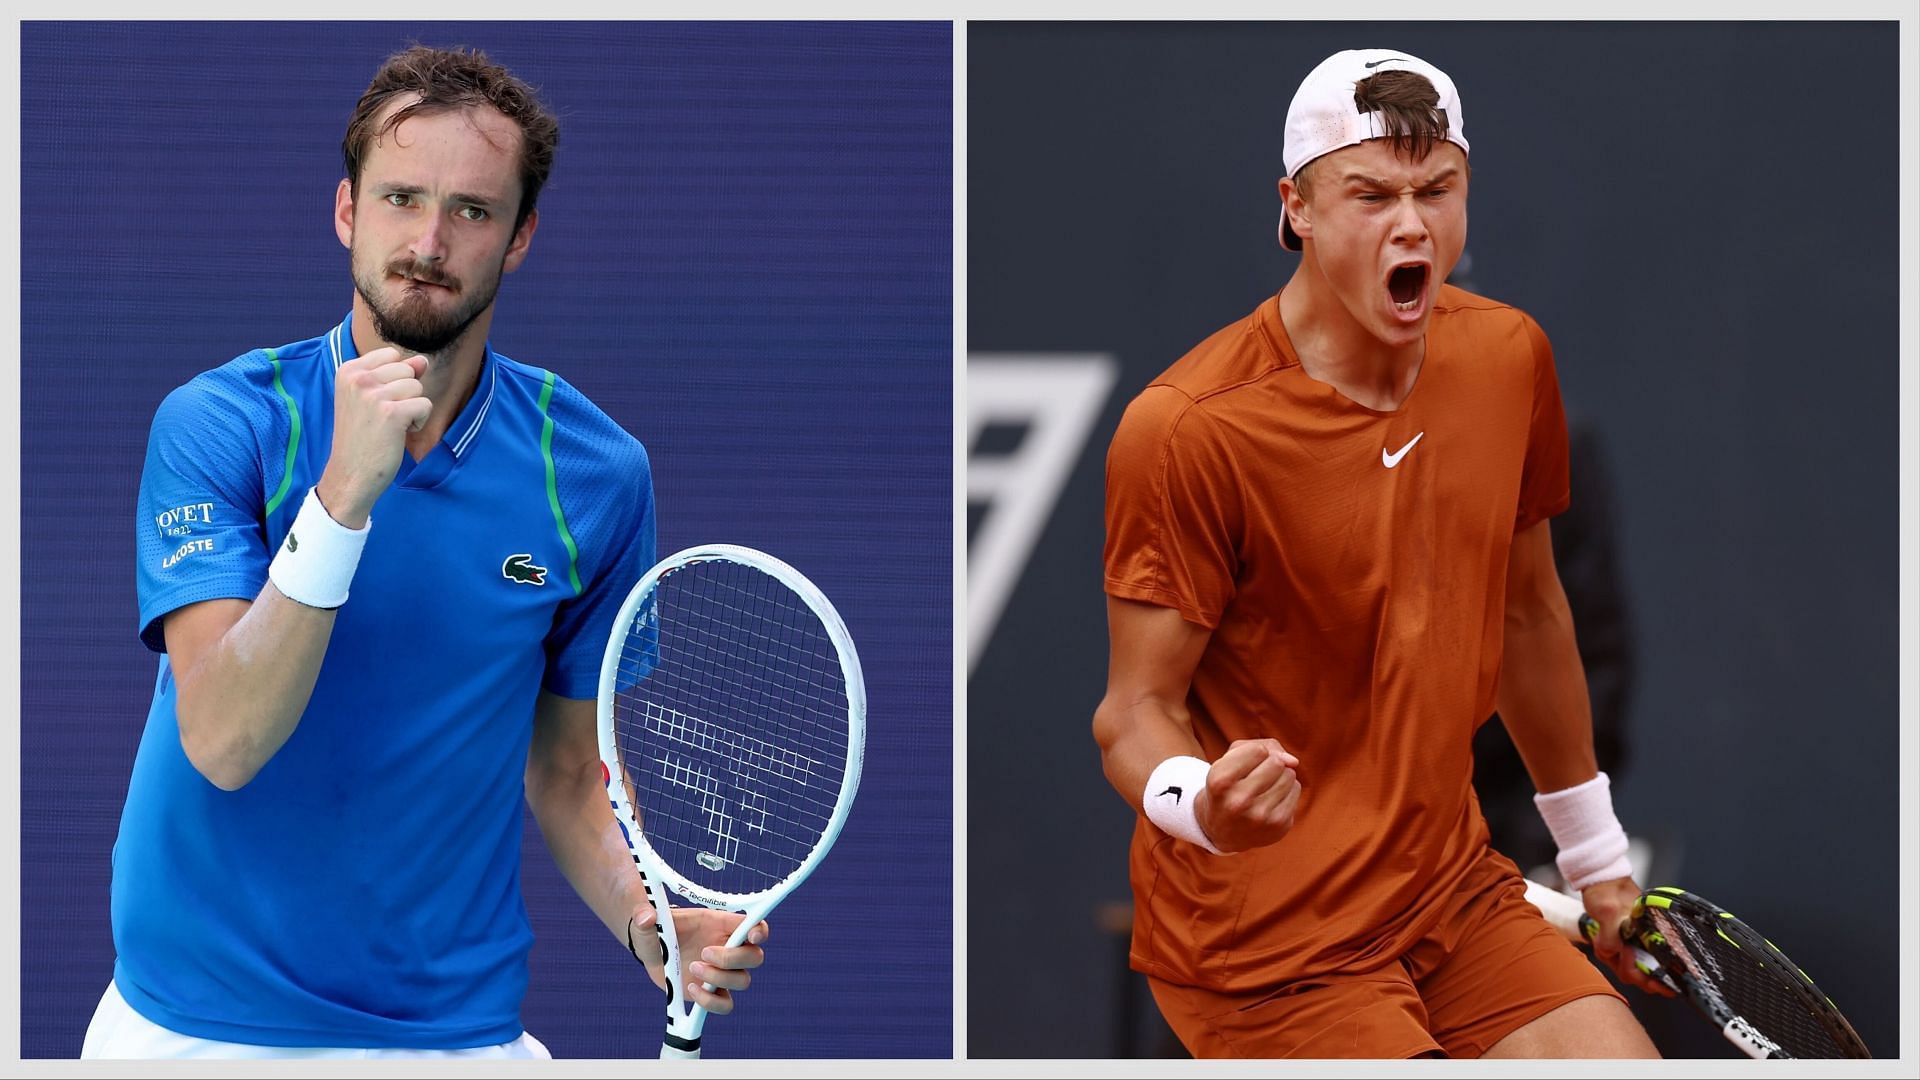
(380, 566)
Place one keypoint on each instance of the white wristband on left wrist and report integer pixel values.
(1593, 846)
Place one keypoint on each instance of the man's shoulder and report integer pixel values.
(275, 370)
(1237, 355)
(1459, 312)
(263, 380)
(581, 429)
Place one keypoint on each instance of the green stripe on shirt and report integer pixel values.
(293, 435)
(553, 489)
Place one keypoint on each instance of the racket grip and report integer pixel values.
(1567, 916)
(1642, 959)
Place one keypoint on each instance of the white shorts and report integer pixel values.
(117, 1031)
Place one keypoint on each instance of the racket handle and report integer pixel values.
(1642, 959)
(1567, 915)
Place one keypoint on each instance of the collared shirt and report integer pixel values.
(363, 888)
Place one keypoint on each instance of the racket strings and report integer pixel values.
(732, 725)
(1754, 982)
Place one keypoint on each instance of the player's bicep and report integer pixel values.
(566, 738)
(1174, 512)
(1143, 719)
(200, 533)
(1152, 650)
(191, 632)
(1152, 654)
(1533, 583)
(1544, 485)
(623, 550)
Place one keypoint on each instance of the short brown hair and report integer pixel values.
(455, 78)
(1408, 109)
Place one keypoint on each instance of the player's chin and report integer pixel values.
(1397, 333)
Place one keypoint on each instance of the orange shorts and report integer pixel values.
(1490, 966)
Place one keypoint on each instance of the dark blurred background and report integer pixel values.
(744, 256)
(1702, 217)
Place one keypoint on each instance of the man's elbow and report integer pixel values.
(224, 765)
(552, 784)
(1537, 610)
(1109, 724)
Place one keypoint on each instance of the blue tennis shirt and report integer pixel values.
(364, 888)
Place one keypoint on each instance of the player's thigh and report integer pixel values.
(1375, 1015)
(1493, 968)
(1590, 1027)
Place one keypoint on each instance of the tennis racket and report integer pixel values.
(1760, 1000)
(732, 729)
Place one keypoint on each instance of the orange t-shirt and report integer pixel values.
(1351, 565)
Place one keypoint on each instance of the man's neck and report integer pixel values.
(451, 374)
(1336, 350)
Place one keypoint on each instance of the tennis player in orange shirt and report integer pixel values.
(1327, 562)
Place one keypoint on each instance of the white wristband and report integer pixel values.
(1593, 846)
(316, 561)
(1169, 798)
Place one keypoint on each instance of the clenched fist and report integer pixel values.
(1250, 796)
(377, 401)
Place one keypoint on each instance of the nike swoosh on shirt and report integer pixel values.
(1390, 460)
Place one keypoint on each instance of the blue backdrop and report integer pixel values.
(744, 256)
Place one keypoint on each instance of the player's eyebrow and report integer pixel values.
(468, 198)
(1358, 178)
(1440, 177)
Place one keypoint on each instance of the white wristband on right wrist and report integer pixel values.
(1171, 792)
(316, 561)
(1593, 846)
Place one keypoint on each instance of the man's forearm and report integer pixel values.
(580, 830)
(246, 690)
(1542, 696)
(1136, 736)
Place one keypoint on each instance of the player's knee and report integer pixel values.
(1597, 1026)
(1630, 1039)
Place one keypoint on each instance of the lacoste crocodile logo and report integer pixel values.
(520, 569)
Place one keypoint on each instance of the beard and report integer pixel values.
(405, 315)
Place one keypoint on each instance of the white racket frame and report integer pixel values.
(684, 1025)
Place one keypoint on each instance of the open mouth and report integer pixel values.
(1406, 285)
